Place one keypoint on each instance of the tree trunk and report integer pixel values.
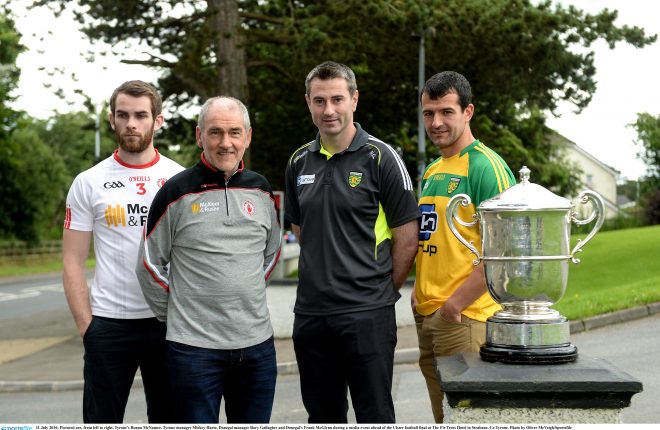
(231, 78)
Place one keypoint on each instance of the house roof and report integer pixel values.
(570, 144)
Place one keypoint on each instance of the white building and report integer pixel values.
(596, 175)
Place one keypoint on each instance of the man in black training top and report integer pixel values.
(350, 201)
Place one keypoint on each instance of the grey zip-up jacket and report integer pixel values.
(207, 249)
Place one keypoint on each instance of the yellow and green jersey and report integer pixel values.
(443, 263)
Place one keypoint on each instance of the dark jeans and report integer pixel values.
(201, 377)
(114, 350)
(338, 352)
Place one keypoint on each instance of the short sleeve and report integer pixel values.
(79, 208)
(396, 192)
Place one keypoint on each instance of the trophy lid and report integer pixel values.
(525, 196)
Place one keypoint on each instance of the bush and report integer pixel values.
(652, 208)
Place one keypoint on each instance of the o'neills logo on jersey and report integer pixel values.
(299, 156)
(139, 179)
(133, 215)
(203, 207)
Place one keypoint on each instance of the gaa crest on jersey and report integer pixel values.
(354, 179)
(113, 184)
(248, 207)
(161, 182)
(453, 185)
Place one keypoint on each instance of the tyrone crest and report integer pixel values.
(248, 207)
(354, 179)
(453, 185)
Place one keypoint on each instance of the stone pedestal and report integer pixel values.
(587, 391)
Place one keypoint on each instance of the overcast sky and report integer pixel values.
(627, 79)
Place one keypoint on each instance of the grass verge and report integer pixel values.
(619, 269)
(34, 265)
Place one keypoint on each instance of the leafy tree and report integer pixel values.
(10, 47)
(32, 175)
(33, 180)
(647, 127)
(177, 140)
(72, 136)
(19, 171)
(522, 59)
(629, 188)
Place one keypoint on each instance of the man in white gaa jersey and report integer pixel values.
(110, 202)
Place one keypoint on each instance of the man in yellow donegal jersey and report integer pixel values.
(450, 301)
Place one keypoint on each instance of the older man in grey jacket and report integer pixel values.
(212, 238)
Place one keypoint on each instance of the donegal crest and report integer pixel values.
(354, 179)
(453, 184)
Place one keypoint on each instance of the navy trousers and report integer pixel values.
(201, 377)
(348, 351)
(114, 350)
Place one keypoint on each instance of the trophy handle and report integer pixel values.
(450, 214)
(599, 212)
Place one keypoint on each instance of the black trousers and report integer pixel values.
(114, 350)
(348, 351)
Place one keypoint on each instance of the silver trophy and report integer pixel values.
(525, 233)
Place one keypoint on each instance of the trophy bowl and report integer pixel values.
(525, 249)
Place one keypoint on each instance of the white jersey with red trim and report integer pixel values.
(112, 200)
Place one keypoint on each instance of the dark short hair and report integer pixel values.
(332, 70)
(443, 83)
(139, 89)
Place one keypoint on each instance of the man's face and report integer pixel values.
(224, 138)
(331, 105)
(445, 121)
(133, 122)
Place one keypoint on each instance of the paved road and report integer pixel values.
(632, 346)
(65, 407)
(28, 296)
(627, 345)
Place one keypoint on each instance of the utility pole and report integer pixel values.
(97, 140)
(421, 134)
(421, 138)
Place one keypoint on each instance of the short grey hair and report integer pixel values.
(332, 70)
(239, 105)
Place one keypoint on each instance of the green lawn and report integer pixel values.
(35, 265)
(619, 269)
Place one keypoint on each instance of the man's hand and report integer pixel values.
(472, 288)
(413, 297)
(75, 248)
(83, 325)
(450, 315)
